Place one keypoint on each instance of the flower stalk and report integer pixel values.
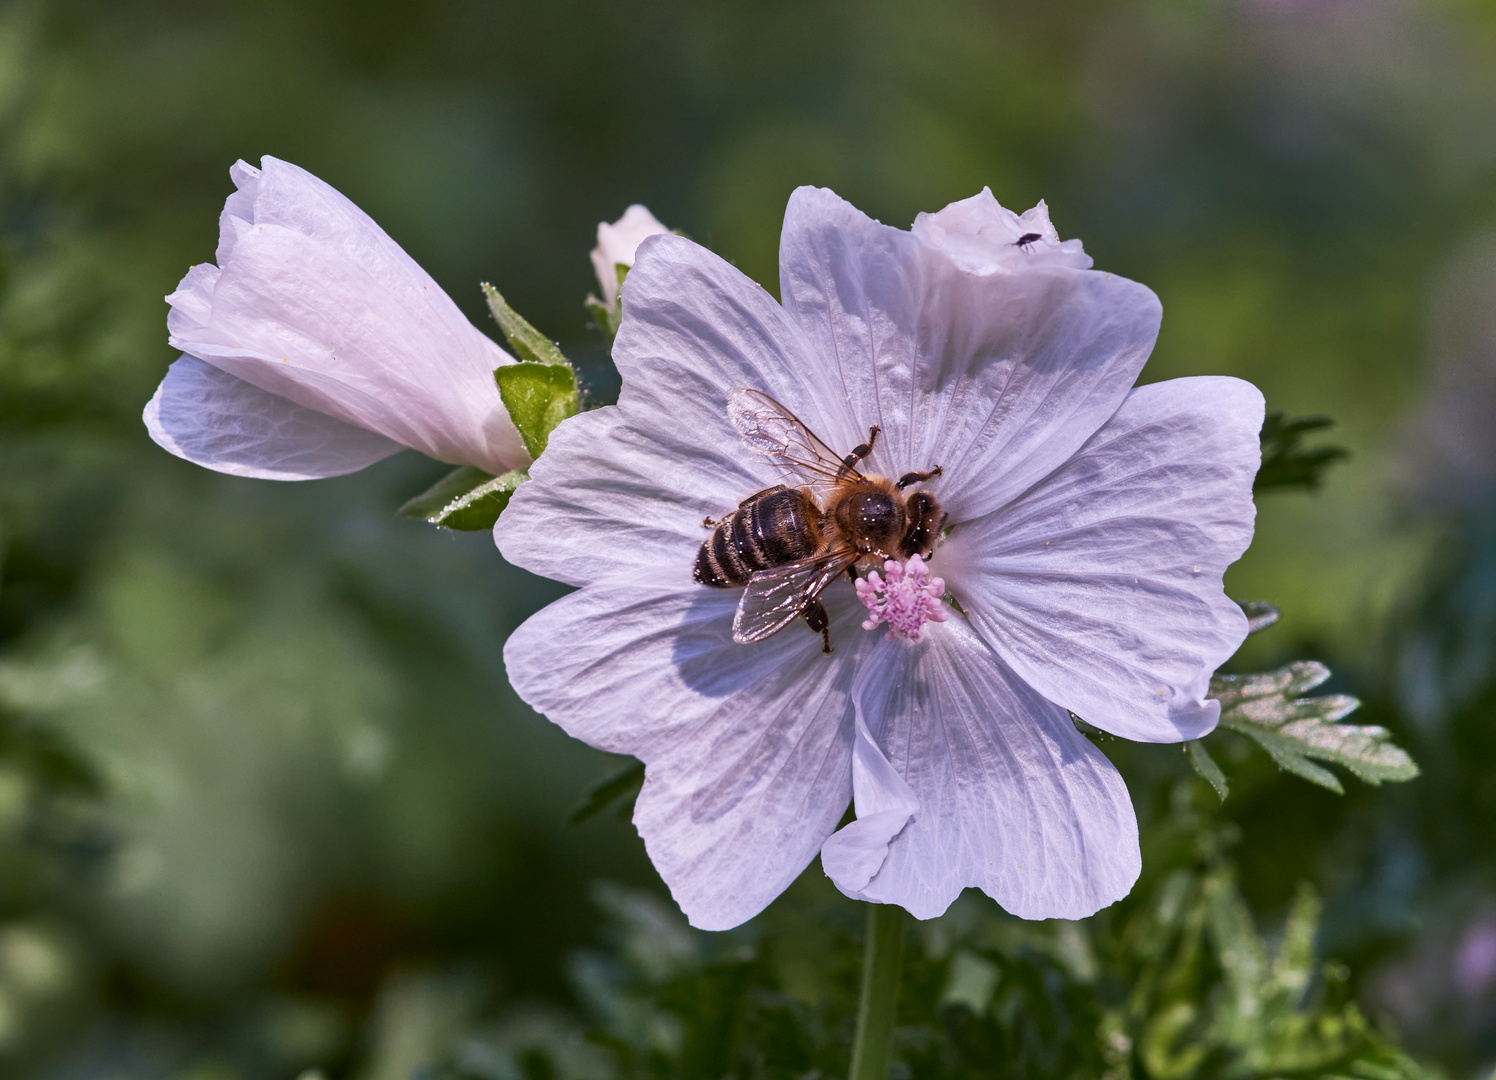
(878, 998)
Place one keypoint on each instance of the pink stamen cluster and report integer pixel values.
(904, 596)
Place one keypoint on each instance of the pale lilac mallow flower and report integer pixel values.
(316, 346)
(1090, 522)
(617, 245)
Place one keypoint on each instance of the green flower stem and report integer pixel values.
(878, 1001)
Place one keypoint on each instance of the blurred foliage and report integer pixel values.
(1173, 983)
(266, 800)
(1285, 463)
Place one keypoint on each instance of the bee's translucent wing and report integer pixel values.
(776, 433)
(774, 597)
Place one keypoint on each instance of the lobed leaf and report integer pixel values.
(1268, 708)
(1284, 462)
(1260, 614)
(466, 499)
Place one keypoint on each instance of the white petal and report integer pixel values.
(1011, 798)
(1102, 585)
(212, 419)
(607, 497)
(313, 302)
(997, 378)
(747, 747)
(983, 237)
(688, 314)
(856, 852)
(629, 486)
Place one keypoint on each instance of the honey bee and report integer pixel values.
(786, 544)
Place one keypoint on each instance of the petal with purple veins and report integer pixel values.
(1011, 798)
(1101, 587)
(630, 485)
(212, 419)
(747, 748)
(999, 379)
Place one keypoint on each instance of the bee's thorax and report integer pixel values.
(869, 517)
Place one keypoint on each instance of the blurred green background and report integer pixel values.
(266, 800)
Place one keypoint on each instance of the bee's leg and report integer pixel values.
(814, 614)
(918, 477)
(859, 452)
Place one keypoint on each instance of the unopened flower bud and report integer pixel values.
(616, 245)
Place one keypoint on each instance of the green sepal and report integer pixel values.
(529, 342)
(1089, 730)
(609, 316)
(538, 397)
(623, 789)
(606, 317)
(1205, 765)
(1268, 709)
(466, 499)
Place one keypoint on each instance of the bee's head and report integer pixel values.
(925, 519)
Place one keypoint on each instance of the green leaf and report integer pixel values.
(529, 342)
(1243, 958)
(1170, 1046)
(1284, 463)
(466, 499)
(970, 981)
(625, 786)
(1295, 964)
(1292, 729)
(1260, 614)
(538, 397)
(1205, 765)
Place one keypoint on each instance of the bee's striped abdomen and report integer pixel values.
(773, 529)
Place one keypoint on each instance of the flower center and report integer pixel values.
(904, 596)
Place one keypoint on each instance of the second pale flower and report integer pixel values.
(316, 346)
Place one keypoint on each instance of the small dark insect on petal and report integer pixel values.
(1026, 239)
